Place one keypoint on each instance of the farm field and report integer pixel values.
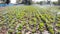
(30, 19)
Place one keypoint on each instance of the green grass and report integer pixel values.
(31, 17)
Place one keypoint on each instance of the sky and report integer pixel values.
(43, 0)
(14, 1)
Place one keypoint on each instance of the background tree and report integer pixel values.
(7, 1)
(27, 2)
(19, 1)
(48, 1)
(58, 2)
